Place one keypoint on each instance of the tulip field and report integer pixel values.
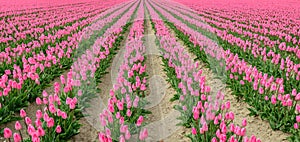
(149, 70)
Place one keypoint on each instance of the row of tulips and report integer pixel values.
(280, 87)
(59, 119)
(205, 113)
(38, 72)
(124, 116)
(277, 54)
(259, 18)
(88, 69)
(54, 41)
(276, 32)
(266, 26)
(263, 92)
(28, 11)
(256, 42)
(43, 27)
(285, 46)
(290, 84)
(17, 7)
(13, 55)
(56, 30)
(288, 70)
(17, 24)
(52, 37)
(44, 17)
(55, 120)
(92, 32)
(48, 17)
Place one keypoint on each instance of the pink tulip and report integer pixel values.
(38, 122)
(298, 118)
(139, 121)
(244, 122)
(40, 131)
(127, 135)
(194, 131)
(17, 137)
(273, 99)
(18, 125)
(58, 129)
(38, 101)
(128, 113)
(227, 105)
(122, 139)
(22, 113)
(50, 122)
(64, 115)
(79, 93)
(45, 101)
(143, 134)
(120, 105)
(296, 126)
(243, 132)
(28, 120)
(7, 133)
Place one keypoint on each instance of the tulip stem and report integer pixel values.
(21, 135)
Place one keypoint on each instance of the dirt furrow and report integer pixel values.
(162, 122)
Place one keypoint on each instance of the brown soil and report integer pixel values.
(163, 120)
